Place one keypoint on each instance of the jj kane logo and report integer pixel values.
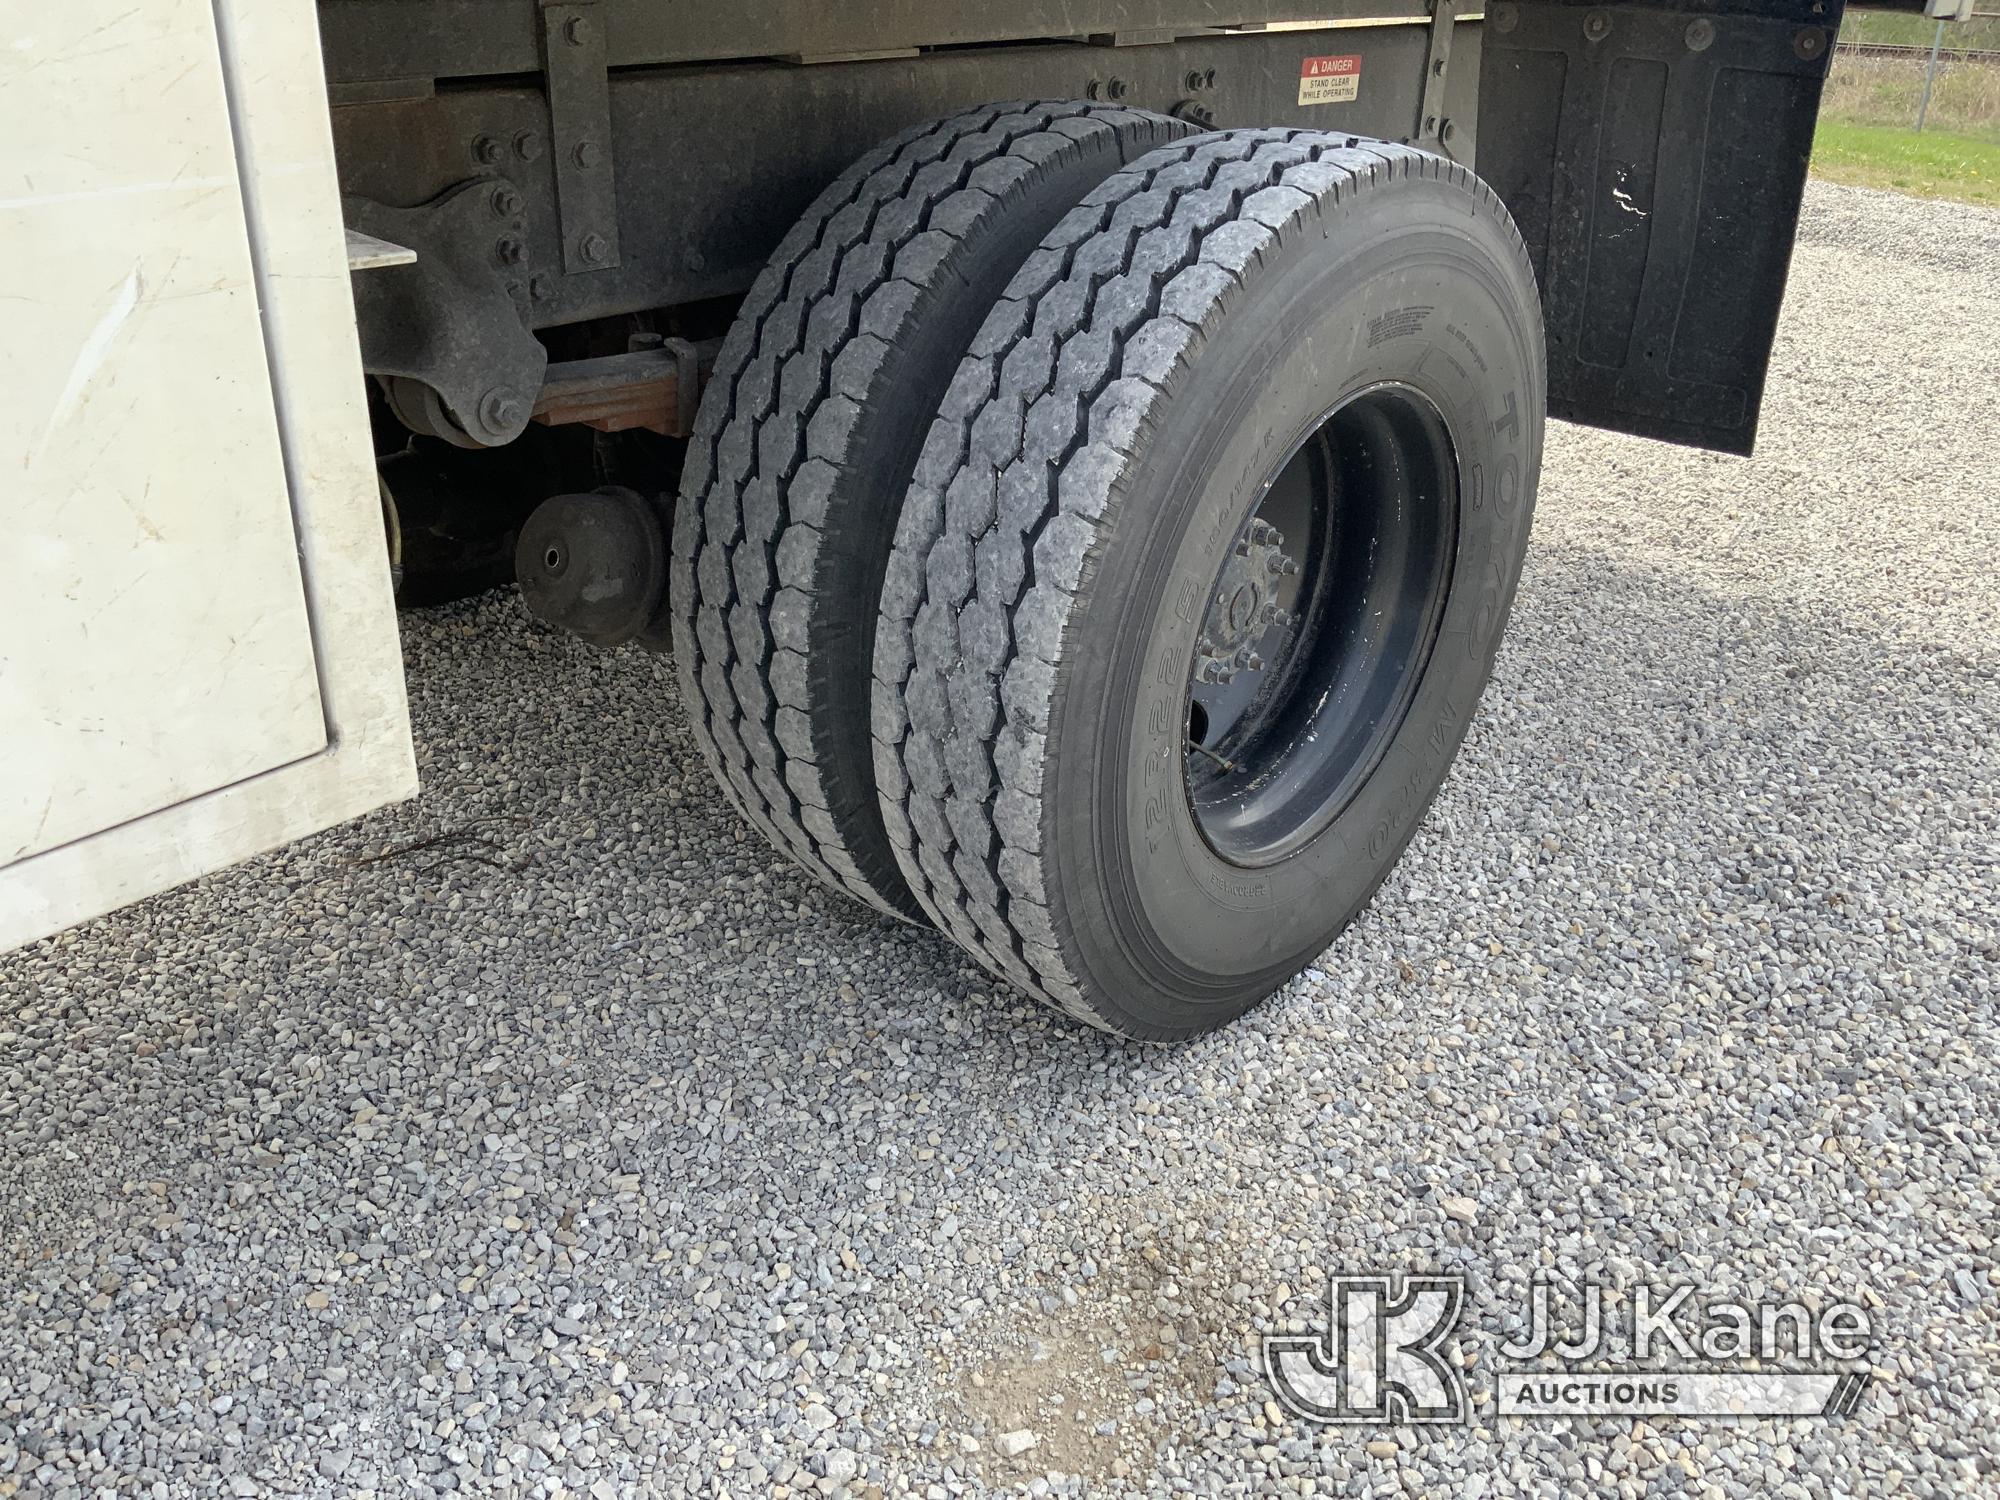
(1380, 1358)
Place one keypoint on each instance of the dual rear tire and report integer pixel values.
(808, 431)
(1133, 664)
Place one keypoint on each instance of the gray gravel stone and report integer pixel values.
(613, 1156)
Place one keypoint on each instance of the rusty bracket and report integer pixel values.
(1434, 131)
(579, 88)
(656, 388)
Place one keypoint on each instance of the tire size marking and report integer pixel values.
(1236, 891)
(1398, 324)
(1161, 782)
(1411, 795)
(1329, 80)
(1472, 349)
(1159, 806)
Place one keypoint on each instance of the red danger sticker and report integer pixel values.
(1329, 80)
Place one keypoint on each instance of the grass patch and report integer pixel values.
(1885, 91)
(1889, 28)
(1931, 165)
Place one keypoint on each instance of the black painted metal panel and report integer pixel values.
(714, 162)
(371, 40)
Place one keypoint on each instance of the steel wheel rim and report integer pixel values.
(1319, 623)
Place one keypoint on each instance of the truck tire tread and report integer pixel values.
(1047, 410)
(772, 459)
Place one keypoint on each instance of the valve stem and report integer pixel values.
(1227, 765)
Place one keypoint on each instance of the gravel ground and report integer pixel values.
(607, 1155)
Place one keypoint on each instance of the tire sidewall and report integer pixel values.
(1418, 292)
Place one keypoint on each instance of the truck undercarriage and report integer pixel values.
(1135, 701)
(1080, 456)
(560, 165)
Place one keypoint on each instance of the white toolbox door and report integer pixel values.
(197, 643)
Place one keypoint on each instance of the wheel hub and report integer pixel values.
(1244, 607)
(1319, 624)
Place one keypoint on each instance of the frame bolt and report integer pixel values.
(499, 410)
(1596, 26)
(588, 153)
(576, 31)
(594, 247)
(528, 145)
(487, 151)
(507, 202)
(510, 251)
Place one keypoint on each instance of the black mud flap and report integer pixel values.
(1654, 156)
